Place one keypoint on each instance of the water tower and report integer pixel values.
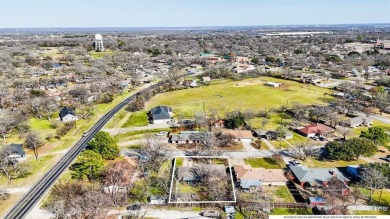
(99, 43)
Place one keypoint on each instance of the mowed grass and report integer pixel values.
(267, 163)
(136, 119)
(291, 211)
(376, 199)
(310, 162)
(95, 54)
(369, 213)
(249, 94)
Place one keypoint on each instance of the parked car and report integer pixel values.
(133, 207)
(210, 213)
(161, 133)
(387, 158)
(294, 162)
(322, 138)
(315, 138)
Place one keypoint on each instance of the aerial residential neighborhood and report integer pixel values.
(194, 109)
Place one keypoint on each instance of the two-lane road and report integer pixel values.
(31, 198)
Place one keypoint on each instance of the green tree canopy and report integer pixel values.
(351, 149)
(234, 119)
(105, 145)
(376, 134)
(88, 164)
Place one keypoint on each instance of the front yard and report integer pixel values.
(267, 163)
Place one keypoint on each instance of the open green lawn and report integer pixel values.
(227, 95)
(101, 54)
(291, 211)
(267, 163)
(385, 200)
(127, 136)
(275, 120)
(118, 119)
(282, 192)
(369, 213)
(136, 119)
(326, 163)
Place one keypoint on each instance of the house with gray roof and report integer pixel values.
(160, 114)
(16, 152)
(307, 176)
(186, 137)
(356, 122)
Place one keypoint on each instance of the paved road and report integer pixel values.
(31, 198)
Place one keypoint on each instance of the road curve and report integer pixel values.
(31, 198)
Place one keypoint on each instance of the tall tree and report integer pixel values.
(281, 133)
(33, 141)
(376, 134)
(104, 144)
(372, 179)
(88, 164)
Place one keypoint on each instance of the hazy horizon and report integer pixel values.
(189, 13)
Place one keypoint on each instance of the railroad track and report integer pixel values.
(31, 198)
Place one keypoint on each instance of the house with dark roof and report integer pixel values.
(160, 114)
(311, 177)
(186, 137)
(16, 152)
(67, 114)
(315, 129)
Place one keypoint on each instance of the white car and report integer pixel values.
(85, 133)
(161, 133)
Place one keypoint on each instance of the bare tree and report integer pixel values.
(33, 141)
(91, 204)
(302, 152)
(372, 179)
(153, 149)
(9, 121)
(345, 131)
(4, 195)
(200, 120)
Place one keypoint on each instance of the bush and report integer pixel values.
(65, 129)
(55, 124)
(257, 144)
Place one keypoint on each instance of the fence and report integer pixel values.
(367, 208)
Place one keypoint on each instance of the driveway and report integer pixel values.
(116, 131)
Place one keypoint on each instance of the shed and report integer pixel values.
(157, 200)
(316, 201)
(273, 84)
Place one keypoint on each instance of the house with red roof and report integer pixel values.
(315, 129)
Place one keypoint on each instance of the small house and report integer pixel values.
(239, 135)
(206, 79)
(67, 115)
(160, 114)
(249, 177)
(157, 200)
(273, 84)
(356, 122)
(16, 152)
(315, 129)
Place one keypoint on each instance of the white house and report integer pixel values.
(67, 115)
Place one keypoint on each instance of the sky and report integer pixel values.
(175, 13)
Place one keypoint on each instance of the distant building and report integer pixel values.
(99, 43)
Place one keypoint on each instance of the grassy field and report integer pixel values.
(100, 54)
(127, 136)
(317, 163)
(369, 213)
(267, 163)
(282, 193)
(290, 211)
(118, 119)
(385, 200)
(227, 95)
(136, 119)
